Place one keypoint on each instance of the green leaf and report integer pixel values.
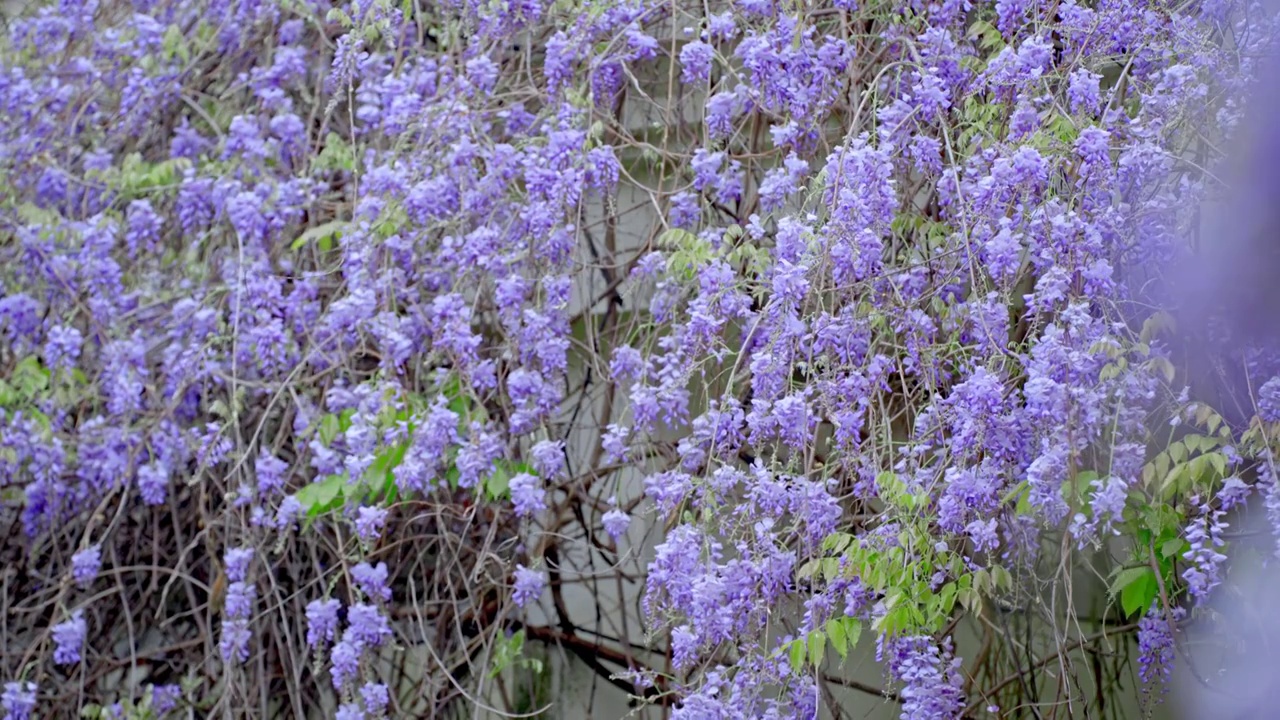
(505, 652)
(1015, 492)
(797, 655)
(947, 597)
(331, 229)
(837, 542)
(1219, 463)
(381, 477)
(174, 44)
(1162, 465)
(1139, 595)
(1164, 367)
(340, 17)
(1172, 548)
(1213, 422)
(1137, 588)
(30, 378)
(853, 631)
(323, 496)
(336, 154)
(1127, 577)
(1196, 468)
(817, 646)
(329, 428)
(674, 239)
(498, 483)
(839, 639)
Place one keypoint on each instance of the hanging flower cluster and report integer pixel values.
(287, 286)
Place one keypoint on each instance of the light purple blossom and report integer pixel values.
(527, 494)
(369, 523)
(1155, 644)
(367, 626)
(322, 621)
(695, 61)
(528, 586)
(1204, 561)
(375, 697)
(616, 523)
(18, 700)
(372, 580)
(165, 698)
(237, 563)
(233, 646)
(548, 459)
(86, 564)
(68, 638)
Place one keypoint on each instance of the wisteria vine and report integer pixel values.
(336, 332)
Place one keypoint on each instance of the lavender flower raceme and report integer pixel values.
(375, 697)
(372, 580)
(233, 645)
(527, 494)
(18, 700)
(68, 638)
(894, 288)
(165, 698)
(237, 563)
(322, 621)
(370, 522)
(930, 677)
(1155, 644)
(615, 523)
(86, 564)
(528, 585)
(1204, 534)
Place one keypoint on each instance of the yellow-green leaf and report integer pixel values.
(797, 655)
(839, 639)
(328, 230)
(817, 646)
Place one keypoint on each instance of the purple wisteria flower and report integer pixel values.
(18, 700)
(366, 626)
(375, 697)
(1155, 644)
(1204, 534)
(86, 564)
(930, 676)
(527, 494)
(322, 621)
(695, 61)
(165, 698)
(233, 645)
(548, 458)
(237, 563)
(528, 586)
(616, 523)
(68, 638)
(369, 523)
(905, 256)
(372, 580)
(345, 662)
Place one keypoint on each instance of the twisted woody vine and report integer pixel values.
(779, 332)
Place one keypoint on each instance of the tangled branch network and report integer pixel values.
(390, 358)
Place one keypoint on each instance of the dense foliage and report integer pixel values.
(333, 331)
